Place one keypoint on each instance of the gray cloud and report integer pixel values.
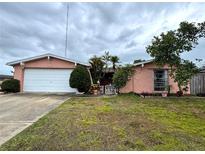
(124, 29)
(131, 44)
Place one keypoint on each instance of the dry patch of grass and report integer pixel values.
(124, 122)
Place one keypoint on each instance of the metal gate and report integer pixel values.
(108, 90)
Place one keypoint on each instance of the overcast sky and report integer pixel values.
(124, 29)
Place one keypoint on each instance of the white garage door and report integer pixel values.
(47, 80)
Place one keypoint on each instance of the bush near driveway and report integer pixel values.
(80, 79)
(11, 85)
(123, 122)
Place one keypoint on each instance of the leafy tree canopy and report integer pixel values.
(168, 47)
(184, 72)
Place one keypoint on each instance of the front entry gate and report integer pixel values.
(108, 90)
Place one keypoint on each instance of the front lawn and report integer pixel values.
(124, 122)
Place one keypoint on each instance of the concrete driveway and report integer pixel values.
(18, 111)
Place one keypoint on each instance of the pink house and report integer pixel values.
(51, 73)
(44, 73)
(150, 78)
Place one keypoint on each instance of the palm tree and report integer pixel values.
(96, 68)
(106, 58)
(114, 60)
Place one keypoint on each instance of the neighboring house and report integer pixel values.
(150, 78)
(44, 73)
(5, 77)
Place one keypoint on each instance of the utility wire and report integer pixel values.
(66, 39)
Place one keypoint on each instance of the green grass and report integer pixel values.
(124, 122)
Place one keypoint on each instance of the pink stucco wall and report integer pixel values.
(143, 80)
(40, 63)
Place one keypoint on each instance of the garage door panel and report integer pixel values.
(47, 80)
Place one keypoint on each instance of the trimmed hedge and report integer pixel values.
(11, 85)
(80, 79)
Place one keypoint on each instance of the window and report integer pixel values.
(160, 80)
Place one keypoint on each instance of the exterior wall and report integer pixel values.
(40, 63)
(51, 63)
(19, 74)
(143, 80)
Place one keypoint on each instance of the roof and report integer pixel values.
(202, 70)
(5, 77)
(108, 70)
(144, 62)
(43, 56)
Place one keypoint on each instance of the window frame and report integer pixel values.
(164, 88)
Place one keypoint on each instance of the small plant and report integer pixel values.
(144, 94)
(168, 88)
(80, 79)
(201, 94)
(11, 85)
(179, 93)
(95, 87)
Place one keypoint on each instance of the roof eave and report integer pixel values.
(43, 56)
(145, 62)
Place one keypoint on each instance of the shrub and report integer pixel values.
(121, 76)
(144, 94)
(201, 94)
(172, 94)
(133, 93)
(130, 94)
(11, 85)
(179, 93)
(80, 79)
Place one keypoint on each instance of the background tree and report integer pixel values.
(168, 47)
(96, 69)
(114, 60)
(80, 79)
(183, 73)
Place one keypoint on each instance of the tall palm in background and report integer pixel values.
(114, 60)
(97, 65)
(106, 58)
